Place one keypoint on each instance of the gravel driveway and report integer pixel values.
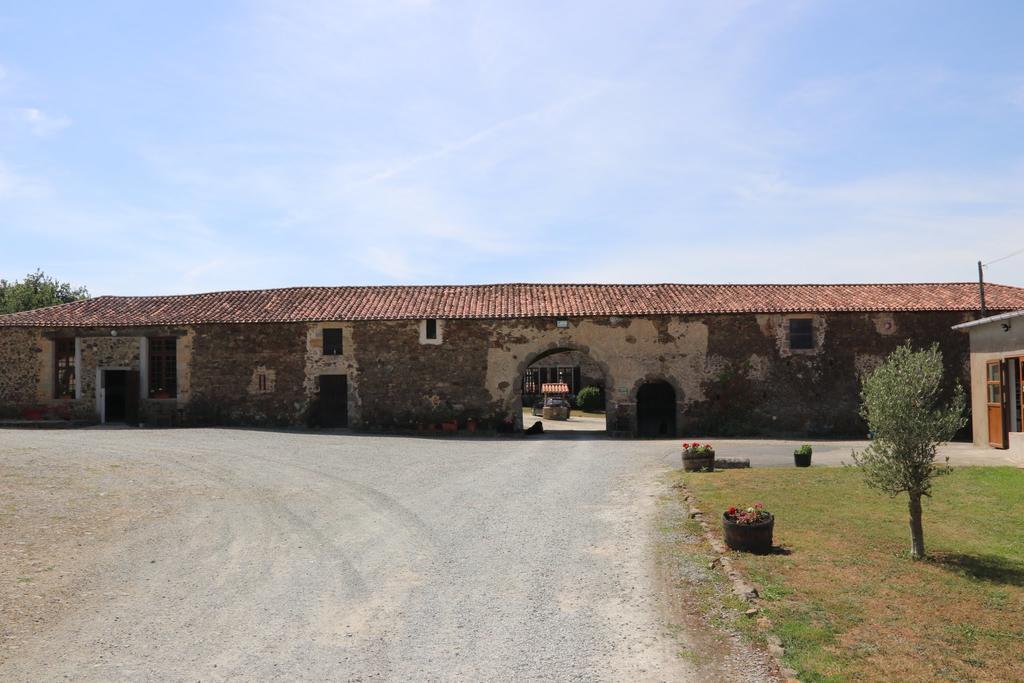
(216, 554)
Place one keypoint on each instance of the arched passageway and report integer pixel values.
(567, 377)
(656, 410)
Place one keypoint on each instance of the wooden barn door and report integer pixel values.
(995, 396)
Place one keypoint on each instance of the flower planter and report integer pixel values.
(450, 426)
(694, 461)
(802, 459)
(470, 425)
(752, 538)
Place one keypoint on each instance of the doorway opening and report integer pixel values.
(1004, 380)
(332, 404)
(564, 390)
(656, 410)
(120, 396)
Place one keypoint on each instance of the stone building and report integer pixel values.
(673, 359)
(997, 381)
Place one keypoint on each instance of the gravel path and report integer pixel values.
(238, 554)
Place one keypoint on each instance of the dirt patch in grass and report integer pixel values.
(722, 642)
(57, 516)
(847, 601)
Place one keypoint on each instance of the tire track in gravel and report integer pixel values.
(305, 556)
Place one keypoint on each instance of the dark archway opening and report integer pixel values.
(656, 410)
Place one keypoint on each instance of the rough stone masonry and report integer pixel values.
(673, 359)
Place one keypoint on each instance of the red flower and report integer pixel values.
(732, 511)
(686, 445)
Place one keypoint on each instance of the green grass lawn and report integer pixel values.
(849, 603)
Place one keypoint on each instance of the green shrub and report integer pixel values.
(589, 400)
(803, 450)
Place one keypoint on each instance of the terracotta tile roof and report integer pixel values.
(306, 304)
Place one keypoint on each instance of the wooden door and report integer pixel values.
(995, 395)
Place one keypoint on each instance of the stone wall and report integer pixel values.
(754, 385)
(731, 374)
(404, 381)
(225, 364)
(21, 360)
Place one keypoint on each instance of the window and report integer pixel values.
(431, 331)
(64, 368)
(993, 384)
(333, 342)
(801, 333)
(163, 367)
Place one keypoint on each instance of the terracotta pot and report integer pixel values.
(470, 425)
(753, 538)
(450, 426)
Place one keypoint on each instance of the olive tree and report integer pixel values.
(903, 404)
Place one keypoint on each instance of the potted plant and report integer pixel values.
(471, 425)
(749, 528)
(802, 456)
(697, 457)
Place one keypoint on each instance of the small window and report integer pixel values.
(801, 333)
(431, 328)
(64, 368)
(163, 367)
(332, 342)
(994, 384)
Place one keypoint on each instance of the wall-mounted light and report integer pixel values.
(562, 322)
(1006, 327)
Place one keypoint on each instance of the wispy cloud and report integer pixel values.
(40, 123)
(406, 141)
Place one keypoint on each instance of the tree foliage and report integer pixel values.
(907, 412)
(37, 290)
(589, 400)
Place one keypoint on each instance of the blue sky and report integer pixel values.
(203, 146)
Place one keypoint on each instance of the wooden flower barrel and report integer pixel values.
(694, 462)
(753, 538)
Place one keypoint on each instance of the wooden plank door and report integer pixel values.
(995, 393)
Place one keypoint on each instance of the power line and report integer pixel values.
(1003, 258)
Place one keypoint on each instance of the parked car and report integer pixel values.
(538, 408)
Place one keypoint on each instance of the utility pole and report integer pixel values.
(981, 289)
